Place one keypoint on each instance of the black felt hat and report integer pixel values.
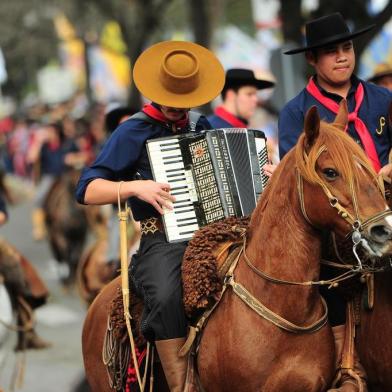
(115, 114)
(237, 77)
(327, 30)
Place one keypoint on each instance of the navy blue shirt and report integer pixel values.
(125, 154)
(218, 122)
(373, 112)
(52, 160)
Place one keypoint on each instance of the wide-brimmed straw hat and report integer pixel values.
(178, 74)
(237, 77)
(327, 30)
(381, 70)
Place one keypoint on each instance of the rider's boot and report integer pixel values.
(174, 367)
(27, 336)
(38, 221)
(351, 380)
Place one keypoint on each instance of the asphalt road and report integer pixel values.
(59, 368)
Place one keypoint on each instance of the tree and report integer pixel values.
(28, 41)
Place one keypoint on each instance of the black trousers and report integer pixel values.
(335, 300)
(156, 275)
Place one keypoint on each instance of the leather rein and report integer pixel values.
(357, 227)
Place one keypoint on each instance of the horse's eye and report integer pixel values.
(330, 174)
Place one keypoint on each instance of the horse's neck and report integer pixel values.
(283, 245)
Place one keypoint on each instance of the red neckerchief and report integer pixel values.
(234, 121)
(360, 127)
(156, 114)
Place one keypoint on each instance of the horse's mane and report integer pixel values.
(342, 149)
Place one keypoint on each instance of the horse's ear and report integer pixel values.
(311, 126)
(341, 118)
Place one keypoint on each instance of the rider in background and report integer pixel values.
(25, 287)
(239, 99)
(329, 50)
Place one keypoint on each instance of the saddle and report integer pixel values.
(206, 260)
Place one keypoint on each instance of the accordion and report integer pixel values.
(213, 175)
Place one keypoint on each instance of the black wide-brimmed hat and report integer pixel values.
(237, 77)
(327, 30)
(114, 114)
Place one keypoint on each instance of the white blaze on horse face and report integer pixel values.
(372, 249)
(388, 219)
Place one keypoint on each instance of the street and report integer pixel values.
(59, 368)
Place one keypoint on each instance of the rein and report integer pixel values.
(261, 309)
(356, 236)
(329, 282)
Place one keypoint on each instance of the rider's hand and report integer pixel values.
(155, 193)
(269, 169)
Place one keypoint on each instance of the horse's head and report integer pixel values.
(338, 188)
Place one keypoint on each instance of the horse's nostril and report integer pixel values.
(380, 233)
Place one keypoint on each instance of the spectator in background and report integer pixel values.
(239, 99)
(50, 154)
(382, 76)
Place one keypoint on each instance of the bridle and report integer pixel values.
(357, 226)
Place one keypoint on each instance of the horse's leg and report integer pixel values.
(94, 330)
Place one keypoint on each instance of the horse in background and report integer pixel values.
(68, 223)
(100, 263)
(325, 182)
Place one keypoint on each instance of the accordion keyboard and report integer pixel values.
(168, 167)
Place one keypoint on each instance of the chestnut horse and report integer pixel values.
(325, 182)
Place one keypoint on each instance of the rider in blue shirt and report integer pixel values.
(373, 112)
(329, 50)
(239, 99)
(176, 76)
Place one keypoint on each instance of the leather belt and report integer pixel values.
(151, 225)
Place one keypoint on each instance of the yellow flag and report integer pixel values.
(111, 38)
